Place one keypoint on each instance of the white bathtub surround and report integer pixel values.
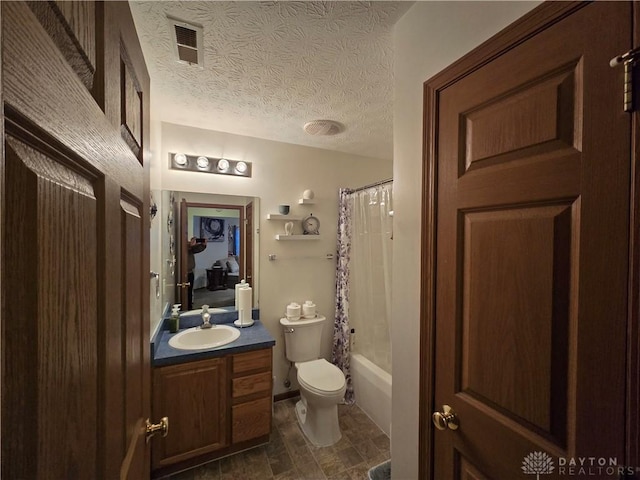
(373, 388)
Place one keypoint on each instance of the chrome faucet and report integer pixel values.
(205, 317)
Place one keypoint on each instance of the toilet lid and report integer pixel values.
(321, 375)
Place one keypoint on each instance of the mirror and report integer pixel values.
(212, 245)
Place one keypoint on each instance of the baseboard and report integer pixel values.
(285, 395)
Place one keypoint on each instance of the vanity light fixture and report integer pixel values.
(201, 163)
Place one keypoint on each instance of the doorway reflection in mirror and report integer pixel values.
(226, 223)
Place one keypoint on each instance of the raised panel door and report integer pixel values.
(532, 177)
(75, 259)
(194, 397)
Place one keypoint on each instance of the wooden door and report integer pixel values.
(75, 242)
(528, 170)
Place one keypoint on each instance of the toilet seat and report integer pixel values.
(320, 377)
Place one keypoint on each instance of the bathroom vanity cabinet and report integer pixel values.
(215, 407)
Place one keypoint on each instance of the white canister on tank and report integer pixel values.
(293, 311)
(309, 309)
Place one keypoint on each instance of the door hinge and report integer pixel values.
(627, 60)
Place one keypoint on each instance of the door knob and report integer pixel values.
(445, 419)
(153, 428)
(183, 285)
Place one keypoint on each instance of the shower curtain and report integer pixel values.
(363, 279)
(340, 354)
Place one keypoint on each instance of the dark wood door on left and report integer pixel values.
(75, 242)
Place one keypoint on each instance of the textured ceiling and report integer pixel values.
(270, 67)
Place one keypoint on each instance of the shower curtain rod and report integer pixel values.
(371, 185)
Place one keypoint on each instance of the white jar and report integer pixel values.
(293, 311)
(309, 309)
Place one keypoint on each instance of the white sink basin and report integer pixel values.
(197, 338)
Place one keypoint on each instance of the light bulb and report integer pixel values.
(223, 164)
(180, 159)
(241, 167)
(203, 162)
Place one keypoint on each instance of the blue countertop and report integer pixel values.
(251, 338)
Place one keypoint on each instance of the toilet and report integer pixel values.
(322, 384)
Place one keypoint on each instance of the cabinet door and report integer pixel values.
(194, 397)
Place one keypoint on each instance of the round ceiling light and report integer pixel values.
(323, 127)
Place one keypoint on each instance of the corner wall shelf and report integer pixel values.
(278, 216)
(297, 237)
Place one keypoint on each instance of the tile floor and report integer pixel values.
(288, 456)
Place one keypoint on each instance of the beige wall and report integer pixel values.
(430, 36)
(281, 172)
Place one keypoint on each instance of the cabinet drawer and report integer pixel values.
(250, 384)
(251, 420)
(250, 361)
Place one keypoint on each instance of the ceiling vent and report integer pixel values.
(187, 42)
(323, 127)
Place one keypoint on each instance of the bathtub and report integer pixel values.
(372, 387)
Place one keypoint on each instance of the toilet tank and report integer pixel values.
(302, 338)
